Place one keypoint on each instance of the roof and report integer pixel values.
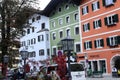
(53, 4)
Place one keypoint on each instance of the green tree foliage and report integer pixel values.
(13, 16)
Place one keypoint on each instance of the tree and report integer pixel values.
(13, 16)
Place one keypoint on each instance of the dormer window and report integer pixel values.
(59, 9)
(33, 19)
(66, 7)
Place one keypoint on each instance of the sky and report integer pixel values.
(43, 3)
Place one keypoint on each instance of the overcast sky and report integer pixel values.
(43, 3)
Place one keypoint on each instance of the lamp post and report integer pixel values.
(24, 55)
(68, 46)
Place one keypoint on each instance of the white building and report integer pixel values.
(35, 39)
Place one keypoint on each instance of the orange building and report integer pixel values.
(100, 31)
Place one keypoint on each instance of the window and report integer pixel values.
(59, 9)
(28, 42)
(54, 51)
(33, 29)
(54, 36)
(108, 2)
(60, 21)
(88, 45)
(43, 26)
(41, 52)
(97, 24)
(78, 48)
(47, 37)
(95, 6)
(33, 19)
(86, 27)
(85, 10)
(33, 41)
(48, 52)
(38, 17)
(53, 24)
(68, 32)
(99, 43)
(66, 6)
(76, 16)
(76, 30)
(111, 20)
(113, 40)
(40, 38)
(67, 19)
(61, 34)
(28, 31)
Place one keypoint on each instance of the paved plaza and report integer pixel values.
(105, 77)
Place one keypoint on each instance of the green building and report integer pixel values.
(64, 21)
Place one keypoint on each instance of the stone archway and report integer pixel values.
(115, 61)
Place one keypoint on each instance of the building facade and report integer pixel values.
(64, 21)
(35, 38)
(99, 25)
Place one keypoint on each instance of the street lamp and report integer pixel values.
(68, 46)
(24, 55)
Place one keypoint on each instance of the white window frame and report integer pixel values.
(60, 21)
(85, 10)
(96, 22)
(77, 26)
(67, 20)
(112, 40)
(98, 43)
(68, 33)
(62, 34)
(53, 23)
(86, 27)
(108, 2)
(66, 6)
(76, 47)
(76, 16)
(95, 6)
(87, 45)
(110, 20)
(54, 36)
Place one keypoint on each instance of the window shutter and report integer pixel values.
(99, 22)
(108, 42)
(84, 45)
(103, 2)
(92, 7)
(94, 24)
(90, 43)
(82, 11)
(87, 9)
(118, 39)
(114, 1)
(83, 27)
(105, 19)
(116, 18)
(88, 26)
(102, 42)
(98, 4)
(95, 44)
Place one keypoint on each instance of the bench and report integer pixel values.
(97, 74)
